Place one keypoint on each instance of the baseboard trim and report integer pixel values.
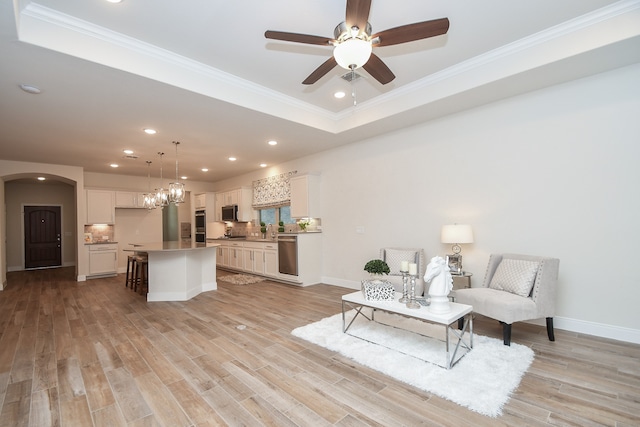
(601, 330)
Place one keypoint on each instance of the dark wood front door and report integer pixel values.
(42, 226)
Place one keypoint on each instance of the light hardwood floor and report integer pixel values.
(95, 353)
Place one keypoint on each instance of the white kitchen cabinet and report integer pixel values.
(103, 259)
(235, 256)
(219, 203)
(305, 196)
(199, 201)
(271, 259)
(222, 259)
(250, 256)
(261, 258)
(129, 199)
(100, 207)
(253, 260)
(243, 197)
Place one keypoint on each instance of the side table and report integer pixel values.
(460, 281)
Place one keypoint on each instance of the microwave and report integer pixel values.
(230, 213)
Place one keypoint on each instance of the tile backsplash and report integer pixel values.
(98, 233)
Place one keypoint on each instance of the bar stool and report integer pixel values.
(143, 276)
(141, 273)
(131, 277)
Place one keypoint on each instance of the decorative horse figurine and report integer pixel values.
(441, 284)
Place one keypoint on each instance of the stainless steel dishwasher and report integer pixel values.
(288, 255)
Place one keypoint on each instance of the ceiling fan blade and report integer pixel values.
(319, 72)
(358, 13)
(298, 38)
(411, 32)
(378, 69)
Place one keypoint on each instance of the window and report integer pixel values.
(275, 215)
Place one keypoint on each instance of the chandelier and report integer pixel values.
(162, 195)
(149, 198)
(176, 189)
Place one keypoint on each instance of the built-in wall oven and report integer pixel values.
(201, 226)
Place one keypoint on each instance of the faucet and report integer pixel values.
(273, 234)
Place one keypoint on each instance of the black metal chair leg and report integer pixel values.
(550, 333)
(506, 333)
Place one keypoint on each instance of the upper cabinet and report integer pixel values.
(100, 207)
(241, 197)
(305, 196)
(219, 203)
(129, 199)
(199, 201)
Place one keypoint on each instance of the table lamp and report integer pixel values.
(456, 234)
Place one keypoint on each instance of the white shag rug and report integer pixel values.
(482, 380)
(241, 279)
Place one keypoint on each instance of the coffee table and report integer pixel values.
(356, 301)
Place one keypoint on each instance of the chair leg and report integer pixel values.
(506, 333)
(550, 333)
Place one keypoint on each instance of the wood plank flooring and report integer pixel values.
(97, 354)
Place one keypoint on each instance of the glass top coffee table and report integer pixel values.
(464, 334)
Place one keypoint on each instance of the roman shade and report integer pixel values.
(272, 191)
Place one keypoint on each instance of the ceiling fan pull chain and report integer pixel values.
(353, 87)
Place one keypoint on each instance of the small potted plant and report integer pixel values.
(303, 223)
(263, 229)
(280, 227)
(377, 267)
(375, 288)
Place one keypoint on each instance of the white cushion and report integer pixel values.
(515, 275)
(394, 258)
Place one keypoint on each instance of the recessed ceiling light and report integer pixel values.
(233, 159)
(41, 178)
(127, 151)
(339, 94)
(113, 165)
(114, 1)
(263, 165)
(150, 131)
(30, 89)
(272, 142)
(204, 170)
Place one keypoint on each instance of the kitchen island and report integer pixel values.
(178, 271)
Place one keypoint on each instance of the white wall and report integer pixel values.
(553, 172)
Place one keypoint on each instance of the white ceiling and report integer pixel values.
(202, 72)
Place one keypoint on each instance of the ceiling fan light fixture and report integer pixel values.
(352, 53)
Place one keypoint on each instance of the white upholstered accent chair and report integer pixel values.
(394, 257)
(516, 288)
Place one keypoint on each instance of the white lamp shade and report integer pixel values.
(456, 233)
(352, 53)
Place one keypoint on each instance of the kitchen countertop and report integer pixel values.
(257, 239)
(100, 243)
(168, 246)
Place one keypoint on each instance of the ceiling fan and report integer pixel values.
(353, 41)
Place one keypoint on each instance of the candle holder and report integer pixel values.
(405, 290)
(412, 303)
